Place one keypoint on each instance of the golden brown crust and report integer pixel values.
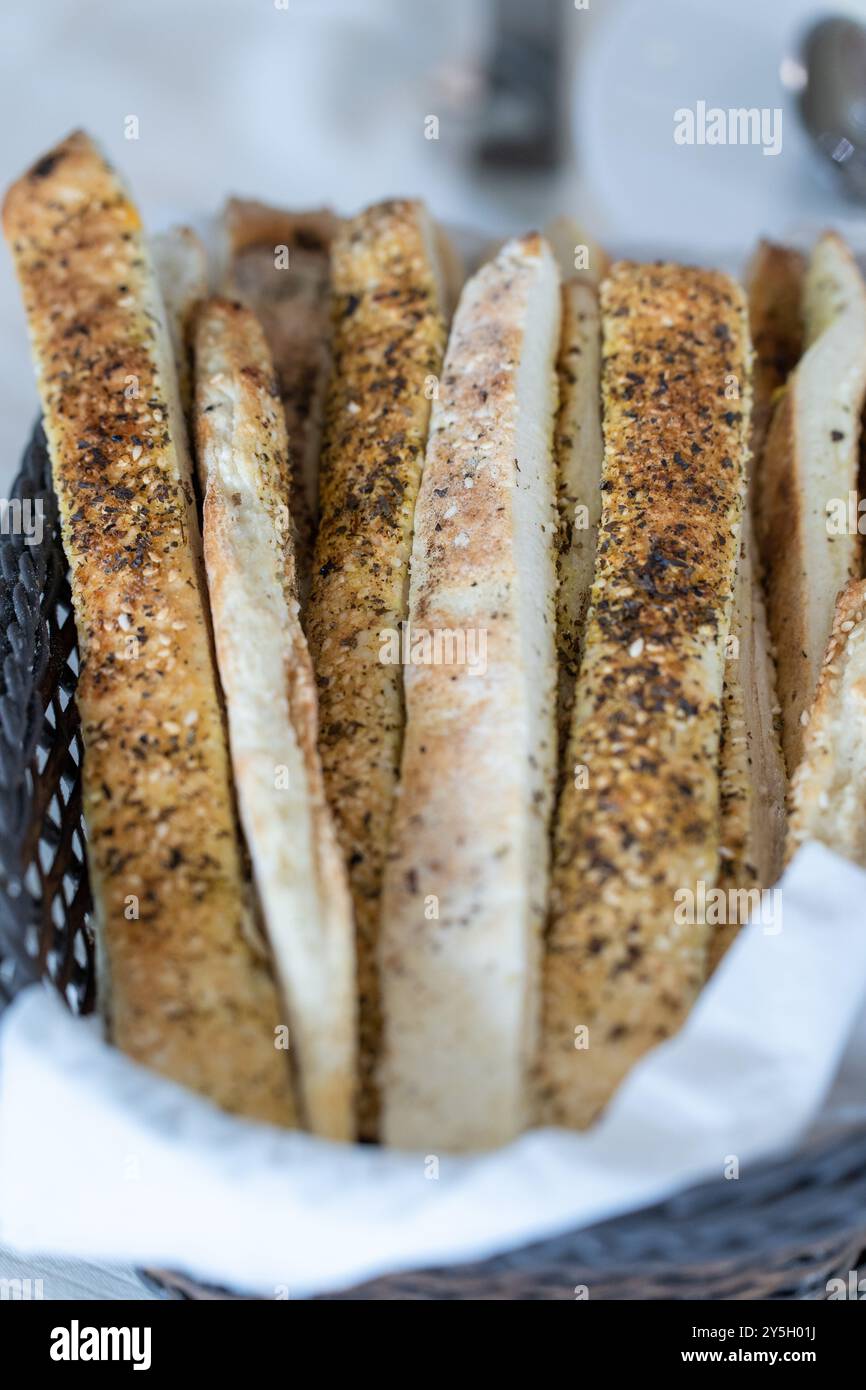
(737, 868)
(828, 792)
(774, 288)
(292, 303)
(578, 447)
(641, 824)
(268, 681)
(186, 993)
(452, 270)
(782, 542)
(388, 340)
(751, 768)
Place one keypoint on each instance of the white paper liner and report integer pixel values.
(100, 1158)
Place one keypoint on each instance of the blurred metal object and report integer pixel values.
(521, 119)
(833, 97)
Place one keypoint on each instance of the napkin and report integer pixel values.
(101, 1158)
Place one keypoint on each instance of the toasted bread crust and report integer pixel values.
(185, 991)
(828, 792)
(783, 540)
(751, 767)
(270, 695)
(579, 448)
(292, 303)
(737, 866)
(774, 287)
(810, 461)
(642, 823)
(388, 341)
(461, 983)
(452, 270)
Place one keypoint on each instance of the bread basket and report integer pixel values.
(781, 1232)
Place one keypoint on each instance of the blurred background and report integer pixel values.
(501, 113)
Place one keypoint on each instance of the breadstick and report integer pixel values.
(828, 793)
(639, 822)
(388, 340)
(774, 288)
(808, 476)
(184, 989)
(751, 767)
(466, 880)
(578, 448)
(180, 261)
(278, 263)
(270, 693)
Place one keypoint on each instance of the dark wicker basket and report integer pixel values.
(780, 1232)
